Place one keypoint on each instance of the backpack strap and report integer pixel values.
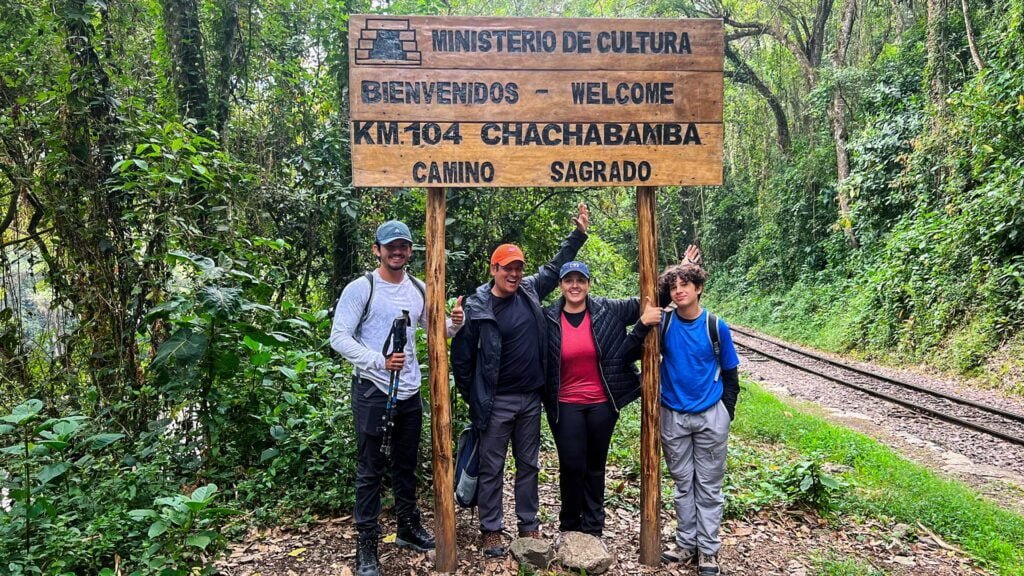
(416, 282)
(366, 307)
(711, 325)
(420, 287)
(666, 319)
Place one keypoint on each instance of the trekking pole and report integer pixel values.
(396, 339)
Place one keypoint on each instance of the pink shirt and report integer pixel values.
(581, 377)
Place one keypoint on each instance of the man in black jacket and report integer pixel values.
(498, 360)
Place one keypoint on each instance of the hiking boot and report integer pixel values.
(366, 556)
(411, 534)
(675, 554)
(707, 564)
(535, 534)
(493, 545)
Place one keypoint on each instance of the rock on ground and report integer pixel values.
(580, 551)
(536, 553)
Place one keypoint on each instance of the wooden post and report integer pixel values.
(650, 423)
(445, 559)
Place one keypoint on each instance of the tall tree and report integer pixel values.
(971, 41)
(188, 63)
(935, 47)
(837, 118)
(230, 52)
(743, 73)
(806, 41)
(89, 221)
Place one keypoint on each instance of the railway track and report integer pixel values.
(1003, 424)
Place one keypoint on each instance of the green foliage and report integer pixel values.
(753, 479)
(806, 483)
(183, 531)
(765, 476)
(936, 199)
(165, 280)
(55, 473)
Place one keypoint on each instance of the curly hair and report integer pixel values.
(691, 273)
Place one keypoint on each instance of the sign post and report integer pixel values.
(650, 391)
(440, 402)
(438, 102)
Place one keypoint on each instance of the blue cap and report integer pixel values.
(574, 266)
(392, 230)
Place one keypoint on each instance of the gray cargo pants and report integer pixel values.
(695, 448)
(514, 417)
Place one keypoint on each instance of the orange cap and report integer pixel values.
(507, 253)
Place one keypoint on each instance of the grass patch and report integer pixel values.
(775, 447)
(844, 567)
(885, 485)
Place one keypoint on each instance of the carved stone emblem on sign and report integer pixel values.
(388, 41)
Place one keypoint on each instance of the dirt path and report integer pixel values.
(772, 543)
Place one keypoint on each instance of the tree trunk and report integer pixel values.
(228, 49)
(935, 44)
(904, 10)
(837, 117)
(345, 249)
(102, 275)
(743, 73)
(188, 65)
(978, 62)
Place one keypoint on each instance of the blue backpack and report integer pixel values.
(467, 467)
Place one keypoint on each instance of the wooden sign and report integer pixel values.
(444, 101)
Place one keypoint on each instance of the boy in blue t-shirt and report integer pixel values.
(698, 401)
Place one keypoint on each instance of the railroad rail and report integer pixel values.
(1003, 424)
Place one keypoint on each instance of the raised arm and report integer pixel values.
(546, 279)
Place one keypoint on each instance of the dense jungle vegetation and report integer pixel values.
(177, 216)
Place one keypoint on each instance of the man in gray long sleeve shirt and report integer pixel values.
(362, 322)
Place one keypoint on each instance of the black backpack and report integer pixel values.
(467, 467)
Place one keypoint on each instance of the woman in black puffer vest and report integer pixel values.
(591, 376)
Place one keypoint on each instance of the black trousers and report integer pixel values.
(368, 406)
(582, 435)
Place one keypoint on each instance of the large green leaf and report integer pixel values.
(24, 412)
(200, 541)
(66, 427)
(255, 335)
(142, 513)
(202, 264)
(204, 493)
(221, 301)
(157, 528)
(102, 440)
(51, 471)
(183, 347)
(164, 309)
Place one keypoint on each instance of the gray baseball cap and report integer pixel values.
(393, 230)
